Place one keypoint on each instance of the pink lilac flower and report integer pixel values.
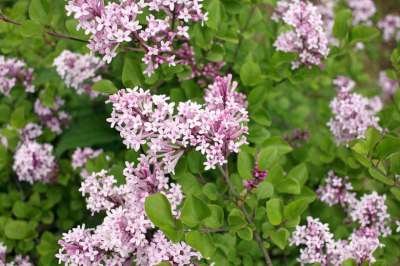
(371, 212)
(20, 260)
(258, 177)
(13, 72)
(82, 155)
(337, 190)
(3, 253)
(112, 24)
(389, 86)
(126, 231)
(79, 71)
(215, 129)
(316, 240)
(327, 10)
(307, 37)
(363, 11)
(31, 131)
(398, 226)
(390, 27)
(52, 117)
(161, 249)
(353, 114)
(35, 162)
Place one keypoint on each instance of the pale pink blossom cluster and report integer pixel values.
(398, 226)
(52, 117)
(81, 155)
(17, 261)
(307, 37)
(390, 26)
(79, 71)
(215, 128)
(337, 190)
(126, 235)
(389, 86)
(363, 11)
(35, 162)
(12, 71)
(31, 131)
(370, 213)
(111, 24)
(327, 10)
(353, 113)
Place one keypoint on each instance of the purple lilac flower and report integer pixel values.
(31, 131)
(307, 37)
(353, 114)
(124, 233)
(390, 26)
(79, 71)
(389, 86)
(3, 253)
(337, 190)
(258, 177)
(35, 162)
(82, 155)
(363, 11)
(327, 10)
(13, 71)
(20, 260)
(52, 117)
(215, 129)
(109, 25)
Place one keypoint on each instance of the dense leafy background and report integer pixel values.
(241, 33)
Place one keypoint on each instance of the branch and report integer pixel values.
(248, 217)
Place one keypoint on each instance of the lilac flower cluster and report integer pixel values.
(353, 114)
(215, 129)
(258, 177)
(126, 234)
(12, 71)
(35, 162)
(390, 26)
(389, 86)
(307, 38)
(79, 71)
(363, 11)
(52, 117)
(370, 212)
(17, 261)
(82, 155)
(337, 190)
(31, 131)
(109, 25)
(327, 10)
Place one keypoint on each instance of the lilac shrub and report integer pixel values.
(13, 72)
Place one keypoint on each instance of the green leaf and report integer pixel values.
(104, 86)
(201, 242)
(396, 192)
(264, 190)
(280, 237)
(38, 11)
(31, 29)
(363, 33)
(18, 230)
(211, 191)
(299, 173)
(380, 177)
(18, 117)
(236, 220)
(274, 211)
(195, 162)
(22, 210)
(289, 186)
(245, 233)
(132, 74)
(4, 113)
(295, 208)
(271, 154)
(342, 24)
(250, 73)
(245, 165)
(158, 209)
(216, 218)
(194, 211)
(214, 14)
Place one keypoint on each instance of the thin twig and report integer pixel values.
(248, 217)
